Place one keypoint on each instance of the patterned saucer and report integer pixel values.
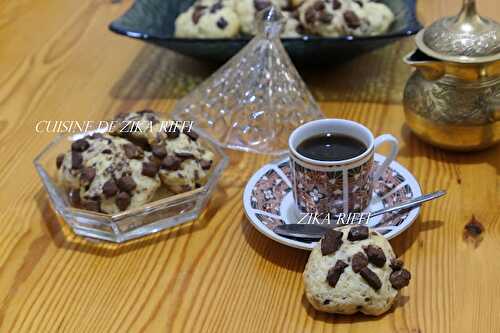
(268, 200)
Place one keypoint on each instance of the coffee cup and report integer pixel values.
(331, 178)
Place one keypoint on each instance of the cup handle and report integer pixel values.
(392, 155)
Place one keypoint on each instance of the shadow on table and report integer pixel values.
(378, 76)
(295, 259)
(284, 256)
(63, 237)
(348, 319)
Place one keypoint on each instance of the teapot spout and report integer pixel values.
(430, 68)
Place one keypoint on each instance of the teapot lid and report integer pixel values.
(465, 38)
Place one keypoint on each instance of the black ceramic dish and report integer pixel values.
(154, 22)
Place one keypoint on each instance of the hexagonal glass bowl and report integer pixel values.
(162, 213)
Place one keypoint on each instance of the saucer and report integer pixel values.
(268, 201)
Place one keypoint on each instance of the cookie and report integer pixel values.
(248, 9)
(207, 19)
(379, 17)
(362, 274)
(183, 162)
(335, 18)
(292, 27)
(134, 126)
(69, 164)
(111, 174)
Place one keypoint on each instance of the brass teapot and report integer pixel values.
(452, 99)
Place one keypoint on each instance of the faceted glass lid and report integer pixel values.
(465, 38)
(254, 101)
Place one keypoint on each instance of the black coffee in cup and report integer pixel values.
(331, 147)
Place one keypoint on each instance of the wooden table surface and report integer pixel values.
(58, 61)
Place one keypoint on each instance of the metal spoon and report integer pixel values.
(316, 231)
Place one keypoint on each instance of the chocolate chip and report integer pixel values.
(122, 200)
(331, 242)
(126, 183)
(171, 163)
(400, 278)
(197, 13)
(133, 151)
(88, 175)
(80, 145)
(205, 165)
(335, 272)
(59, 160)
(360, 3)
(152, 118)
(300, 29)
(76, 160)
(375, 255)
(310, 15)
(351, 19)
(396, 264)
(359, 261)
(222, 23)
(149, 169)
(336, 4)
(326, 18)
(155, 160)
(109, 188)
(159, 151)
(92, 205)
(173, 133)
(216, 7)
(261, 4)
(74, 197)
(107, 151)
(192, 134)
(184, 155)
(358, 233)
(319, 5)
(371, 278)
(326, 302)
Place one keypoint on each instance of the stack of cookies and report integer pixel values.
(113, 172)
(328, 18)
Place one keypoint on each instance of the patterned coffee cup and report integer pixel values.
(335, 187)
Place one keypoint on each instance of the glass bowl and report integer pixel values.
(162, 213)
(153, 21)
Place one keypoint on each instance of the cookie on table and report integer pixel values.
(353, 269)
(208, 19)
(108, 174)
(184, 163)
(247, 10)
(135, 125)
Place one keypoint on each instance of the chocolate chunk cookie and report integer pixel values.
(110, 176)
(184, 162)
(360, 284)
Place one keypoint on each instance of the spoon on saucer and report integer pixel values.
(316, 231)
